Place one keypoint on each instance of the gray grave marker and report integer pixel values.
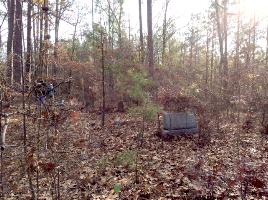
(179, 122)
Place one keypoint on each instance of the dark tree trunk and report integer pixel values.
(57, 23)
(103, 80)
(29, 38)
(141, 35)
(18, 42)
(207, 59)
(46, 36)
(225, 25)
(11, 16)
(41, 45)
(150, 38)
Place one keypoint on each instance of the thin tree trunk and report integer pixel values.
(103, 80)
(120, 24)
(141, 34)
(225, 26)
(191, 48)
(150, 38)
(92, 21)
(212, 59)
(29, 37)
(11, 19)
(41, 42)
(57, 23)
(237, 61)
(17, 45)
(46, 36)
(164, 32)
(207, 59)
(56, 45)
(220, 37)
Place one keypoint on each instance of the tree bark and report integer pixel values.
(57, 24)
(46, 36)
(10, 39)
(103, 80)
(17, 45)
(225, 25)
(29, 37)
(41, 45)
(164, 32)
(141, 35)
(150, 38)
(220, 37)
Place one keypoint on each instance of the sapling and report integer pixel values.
(146, 110)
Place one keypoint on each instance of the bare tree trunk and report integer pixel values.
(225, 26)
(11, 21)
(35, 42)
(29, 37)
(237, 61)
(120, 24)
(56, 45)
(220, 37)
(207, 59)
(18, 42)
(92, 21)
(141, 35)
(191, 48)
(164, 32)
(41, 45)
(150, 38)
(253, 67)
(212, 59)
(103, 80)
(46, 36)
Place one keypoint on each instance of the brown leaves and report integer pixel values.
(80, 143)
(247, 126)
(75, 116)
(257, 183)
(31, 161)
(47, 167)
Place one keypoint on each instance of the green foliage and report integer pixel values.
(140, 91)
(117, 188)
(148, 111)
(139, 84)
(126, 158)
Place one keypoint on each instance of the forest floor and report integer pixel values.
(96, 163)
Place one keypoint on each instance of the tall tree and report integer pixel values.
(10, 39)
(57, 24)
(46, 35)
(29, 38)
(220, 36)
(17, 43)
(150, 38)
(222, 29)
(141, 34)
(225, 27)
(164, 31)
